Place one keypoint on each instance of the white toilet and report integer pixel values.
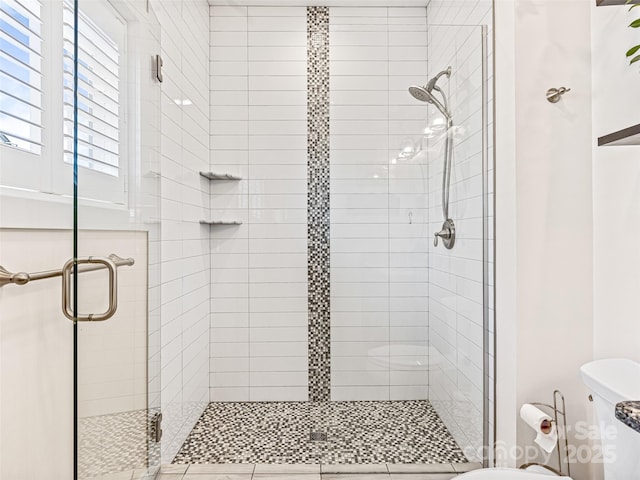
(531, 473)
(611, 381)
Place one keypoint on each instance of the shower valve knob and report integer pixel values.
(444, 234)
(447, 234)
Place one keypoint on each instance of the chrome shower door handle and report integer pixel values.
(67, 272)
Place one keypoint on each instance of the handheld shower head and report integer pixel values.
(421, 93)
(425, 94)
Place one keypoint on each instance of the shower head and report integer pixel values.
(425, 94)
(421, 93)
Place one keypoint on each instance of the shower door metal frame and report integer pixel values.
(488, 269)
(485, 253)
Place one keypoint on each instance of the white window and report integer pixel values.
(99, 80)
(102, 125)
(21, 74)
(36, 99)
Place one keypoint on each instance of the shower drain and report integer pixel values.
(318, 436)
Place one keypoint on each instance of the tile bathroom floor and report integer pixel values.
(382, 471)
(374, 432)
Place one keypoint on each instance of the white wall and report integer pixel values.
(456, 276)
(259, 286)
(259, 269)
(184, 291)
(615, 186)
(554, 228)
(37, 359)
(554, 205)
(37, 349)
(505, 227)
(112, 355)
(378, 205)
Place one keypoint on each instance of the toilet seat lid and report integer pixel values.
(506, 474)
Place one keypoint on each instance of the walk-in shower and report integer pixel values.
(279, 193)
(426, 94)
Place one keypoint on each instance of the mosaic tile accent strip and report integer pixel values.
(318, 259)
(116, 443)
(356, 433)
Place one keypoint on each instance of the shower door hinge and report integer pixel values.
(156, 427)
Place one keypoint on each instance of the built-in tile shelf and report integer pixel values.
(605, 3)
(220, 222)
(219, 176)
(626, 136)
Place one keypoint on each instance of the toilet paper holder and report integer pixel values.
(558, 409)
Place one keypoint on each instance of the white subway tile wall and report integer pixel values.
(456, 276)
(259, 269)
(379, 256)
(185, 256)
(385, 199)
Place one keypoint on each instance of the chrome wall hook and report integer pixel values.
(554, 94)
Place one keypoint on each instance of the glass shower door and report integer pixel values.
(111, 163)
(460, 326)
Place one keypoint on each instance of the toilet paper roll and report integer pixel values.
(546, 432)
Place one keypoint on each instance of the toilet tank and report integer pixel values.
(611, 381)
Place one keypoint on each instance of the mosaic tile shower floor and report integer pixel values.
(356, 432)
(115, 442)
